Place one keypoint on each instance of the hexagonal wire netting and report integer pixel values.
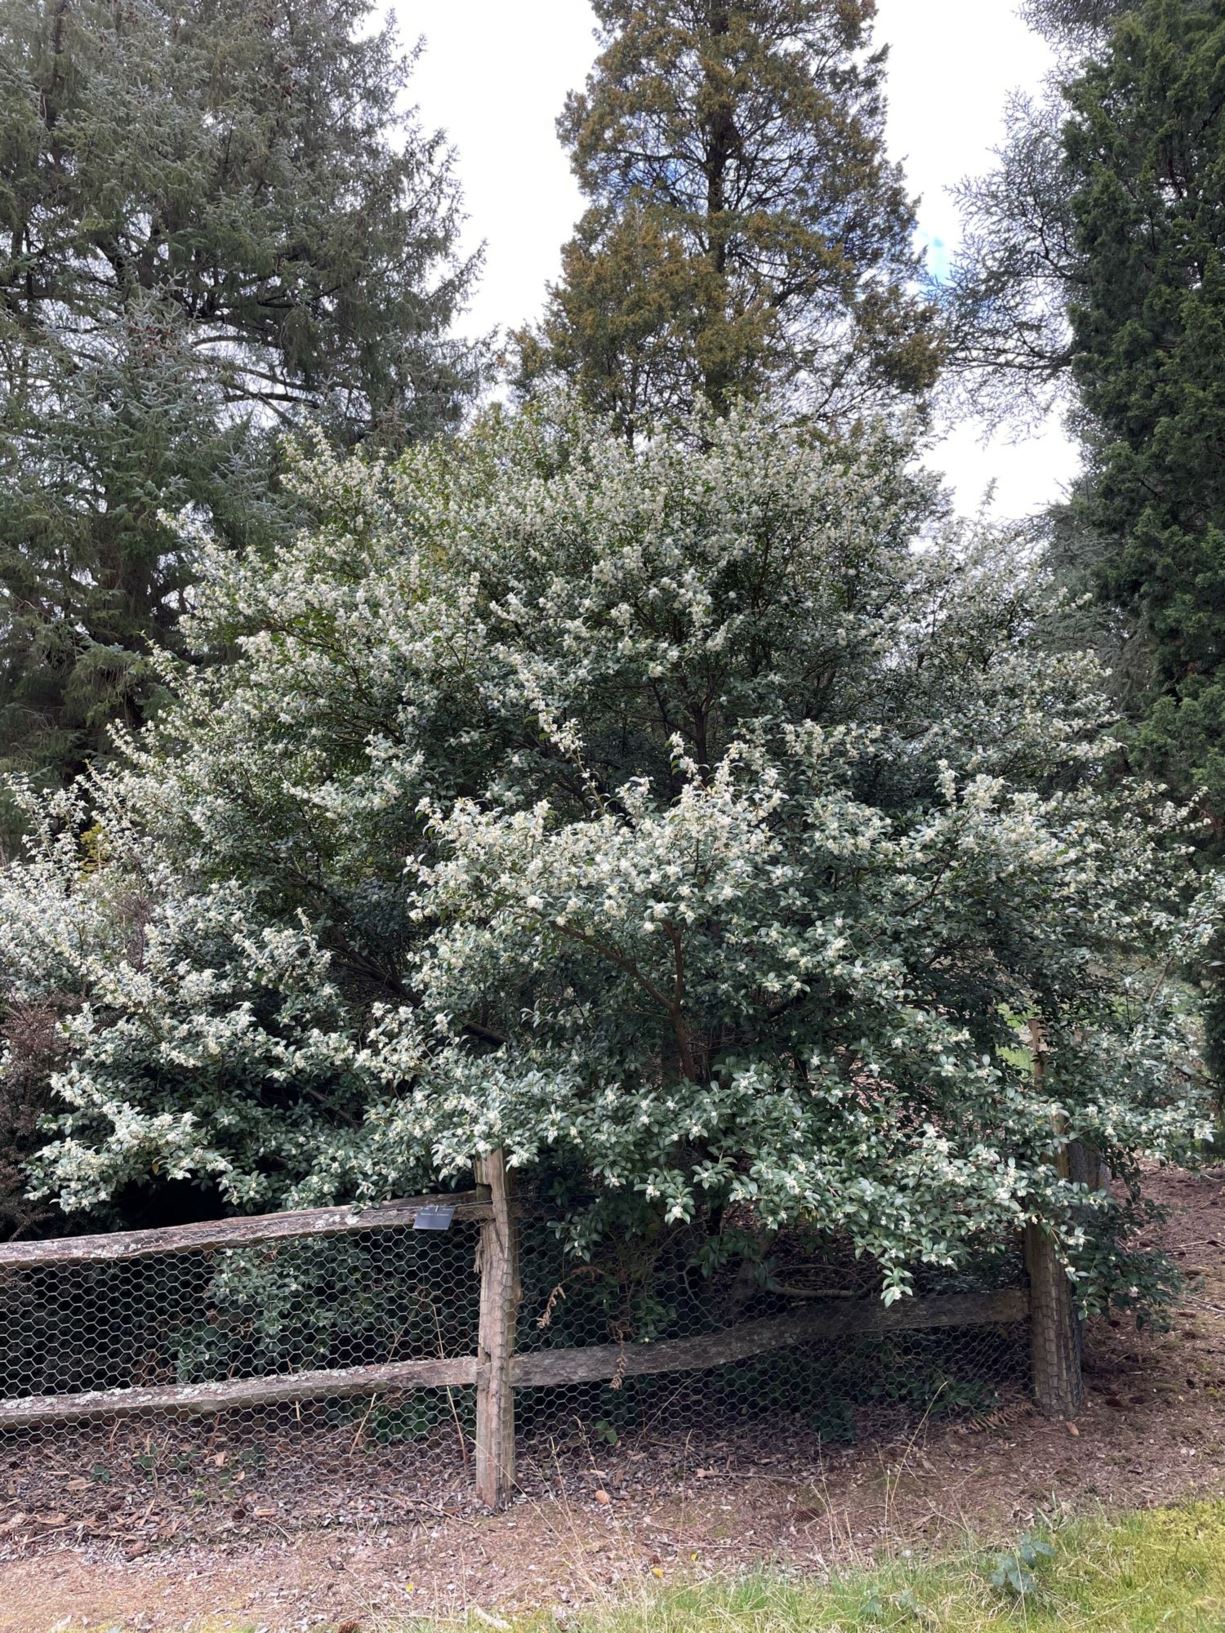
(794, 1399)
(284, 1311)
(315, 1452)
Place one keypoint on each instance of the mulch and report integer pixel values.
(160, 1527)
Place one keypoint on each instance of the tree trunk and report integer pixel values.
(719, 140)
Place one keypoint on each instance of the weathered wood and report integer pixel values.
(1086, 1167)
(1054, 1332)
(498, 1261)
(605, 1361)
(238, 1392)
(243, 1232)
(495, 1422)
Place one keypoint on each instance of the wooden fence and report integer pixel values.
(496, 1370)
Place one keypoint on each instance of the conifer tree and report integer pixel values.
(1145, 151)
(214, 222)
(746, 235)
(1073, 22)
(1094, 273)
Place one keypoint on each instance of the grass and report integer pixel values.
(1156, 1572)
(1162, 1571)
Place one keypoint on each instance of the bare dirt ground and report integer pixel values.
(659, 1506)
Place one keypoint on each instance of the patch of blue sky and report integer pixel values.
(935, 252)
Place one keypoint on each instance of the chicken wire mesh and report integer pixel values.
(290, 1309)
(807, 1395)
(283, 1311)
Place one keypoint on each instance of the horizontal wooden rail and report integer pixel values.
(237, 1392)
(811, 1325)
(241, 1232)
(590, 1363)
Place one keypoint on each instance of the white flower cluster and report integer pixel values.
(664, 816)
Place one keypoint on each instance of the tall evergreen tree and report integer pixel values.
(1095, 273)
(746, 234)
(214, 221)
(1145, 149)
(1073, 22)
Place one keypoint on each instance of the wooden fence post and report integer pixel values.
(1054, 1334)
(498, 1258)
(1054, 1331)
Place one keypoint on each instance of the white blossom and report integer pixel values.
(660, 815)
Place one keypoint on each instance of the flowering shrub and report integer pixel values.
(691, 821)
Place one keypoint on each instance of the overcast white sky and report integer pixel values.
(495, 74)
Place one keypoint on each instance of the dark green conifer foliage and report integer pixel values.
(746, 234)
(1073, 22)
(1146, 161)
(214, 222)
(1094, 258)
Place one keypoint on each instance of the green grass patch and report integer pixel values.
(1158, 1572)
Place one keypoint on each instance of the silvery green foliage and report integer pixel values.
(195, 1034)
(685, 820)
